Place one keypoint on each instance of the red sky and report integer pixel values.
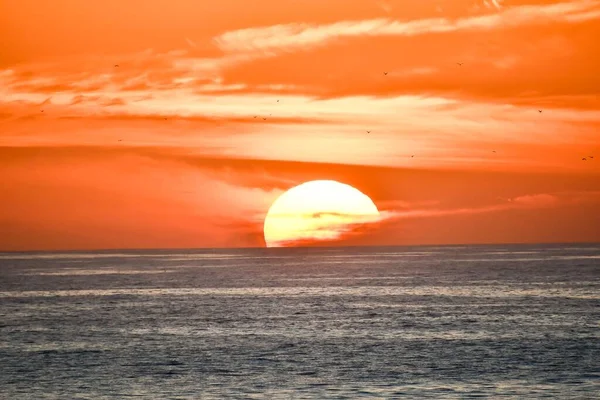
(164, 150)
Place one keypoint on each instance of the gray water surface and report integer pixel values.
(391, 322)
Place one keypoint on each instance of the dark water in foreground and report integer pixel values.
(423, 322)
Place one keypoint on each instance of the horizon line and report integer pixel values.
(314, 247)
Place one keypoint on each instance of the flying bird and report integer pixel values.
(368, 131)
(493, 151)
(255, 116)
(460, 64)
(583, 159)
(264, 118)
(539, 110)
(385, 73)
(592, 157)
(116, 65)
(412, 156)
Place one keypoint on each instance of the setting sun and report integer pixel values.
(317, 211)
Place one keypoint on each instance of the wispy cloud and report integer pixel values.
(496, 4)
(211, 102)
(291, 37)
(331, 227)
(250, 125)
(402, 211)
(538, 200)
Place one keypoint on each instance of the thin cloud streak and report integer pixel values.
(534, 201)
(497, 4)
(352, 227)
(456, 124)
(355, 224)
(301, 35)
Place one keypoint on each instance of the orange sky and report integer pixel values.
(164, 150)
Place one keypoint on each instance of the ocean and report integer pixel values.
(447, 322)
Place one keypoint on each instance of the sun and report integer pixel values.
(317, 211)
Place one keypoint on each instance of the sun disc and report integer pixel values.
(317, 211)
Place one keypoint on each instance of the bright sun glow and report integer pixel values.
(317, 211)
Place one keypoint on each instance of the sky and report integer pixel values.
(177, 123)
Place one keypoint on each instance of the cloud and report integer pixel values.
(496, 4)
(407, 205)
(461, 134)
(391, 220)
(351, 231)
(219, 112)
(402, 210)
(302, 35)
(429, 213)
(346, 227)
(538, 200)
(557, 199)
(328, 228)
(143, 71)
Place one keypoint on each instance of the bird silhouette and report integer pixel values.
(539, 110)
(412, 156)
(120, 140)
(592, 157)
(278, 101)
(493, 151)
(264, 119)
(460, 64)
(385, 73)
(583, 159)
(255, 116)
(368, 131)
(116, 65)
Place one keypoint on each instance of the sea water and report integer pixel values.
(444, 322)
